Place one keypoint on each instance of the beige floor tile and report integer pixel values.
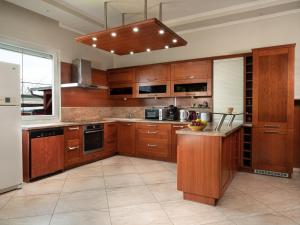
(141, 161)
(144, 214)
(165, 192)
(48, 186)
(27, 206)
(94, 164)
(123, 180)
(127, 196)
(39, 220)
(293, 214)
(99, 217)
(58, 176)
(110, 170)
(84, 171)
(158, 177)
(265, 219)
(170, 166)
(84, 200)
(117, 160)
(4, 198)
(83, 183)
(153, 167)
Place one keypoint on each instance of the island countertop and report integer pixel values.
(210, 130)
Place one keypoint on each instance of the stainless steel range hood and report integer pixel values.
(82, 76)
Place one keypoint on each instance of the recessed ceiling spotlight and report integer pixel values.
(161, 31)
(94, 39)
(113, 34)
(148, 50)
(174, 40)
(112, 51)
(94, 45)
(167, 46)
(135, 29)
(131, 53)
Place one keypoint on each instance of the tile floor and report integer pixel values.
(131, 191)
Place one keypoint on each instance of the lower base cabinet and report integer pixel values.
(73, 146)
(174, 140)
(126, 138)
(273, 150)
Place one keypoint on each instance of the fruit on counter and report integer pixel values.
(198, 123)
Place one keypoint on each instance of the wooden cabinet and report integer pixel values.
(189, 70)
(152, 73)
(126, 138)
(153, 89)
(273, 109)
(174, 140)
(118, 76)
(73, 145)
(194, 87)
(127, 90)
(273, 87)
(153, 140)
(110, 137)
(273, 149)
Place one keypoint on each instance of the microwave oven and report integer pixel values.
(156, 114)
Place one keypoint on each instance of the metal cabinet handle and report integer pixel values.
(92, 131)
(178, 126)
(128, 124)
(73, 148)
(271, 132)
(271, 126)
(191, 77)
(73, 128)
(152, 132)
(149, 145)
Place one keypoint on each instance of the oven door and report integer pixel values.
(93, 140)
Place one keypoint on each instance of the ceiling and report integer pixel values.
(85, 16)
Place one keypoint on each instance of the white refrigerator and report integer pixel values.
(10, 128)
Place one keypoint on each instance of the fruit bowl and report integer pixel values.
(197, 125)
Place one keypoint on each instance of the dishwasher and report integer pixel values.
(46, 152)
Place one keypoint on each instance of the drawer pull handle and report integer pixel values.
(271, 132)
(152, 125)
(178, 126)
(128, 124)
(152, 132)
(149, 145)
(191, 77)
(73, 128)
(73, 148)
(271, 126)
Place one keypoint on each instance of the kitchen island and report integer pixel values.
(207, 161)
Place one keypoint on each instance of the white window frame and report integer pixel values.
(56, 81)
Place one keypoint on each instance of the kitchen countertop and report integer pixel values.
(210, 130)
(45, 125)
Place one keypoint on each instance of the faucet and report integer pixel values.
(130, 115)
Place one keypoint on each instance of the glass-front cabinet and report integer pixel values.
(122, 90)
(196, 87)
(153, 89)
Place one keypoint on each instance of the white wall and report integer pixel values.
(21, 25)
(231, 39)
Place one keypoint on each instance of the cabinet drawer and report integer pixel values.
(154, 126)
(153, 147)
(153, 134)
(73, 132)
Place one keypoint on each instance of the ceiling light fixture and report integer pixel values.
(134, 35)
(161, 31)
(112, 51)
(131, 53)
(94, 45)
(135, 29)
(167, 46)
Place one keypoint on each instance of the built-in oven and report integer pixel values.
(93, 138)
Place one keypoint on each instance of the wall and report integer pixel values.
(229, 39)
(297, 135)
(18, 24)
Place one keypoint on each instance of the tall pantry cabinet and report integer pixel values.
(273, 110)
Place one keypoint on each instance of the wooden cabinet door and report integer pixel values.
(273, 149)
(73, 145)
(273, 87)
(46, 155)
(121, 76)
(153, 89)
(110, 137)
(174, 140)
(195, 87)
(200, 69)
(126, 138)
(127, 90)
(153, 73)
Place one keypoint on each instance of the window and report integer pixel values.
(39, 97)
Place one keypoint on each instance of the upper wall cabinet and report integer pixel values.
(153, 73)
(200, 69)
(273, 87)
(121, 76)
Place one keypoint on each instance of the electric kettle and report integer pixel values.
(183, 115)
